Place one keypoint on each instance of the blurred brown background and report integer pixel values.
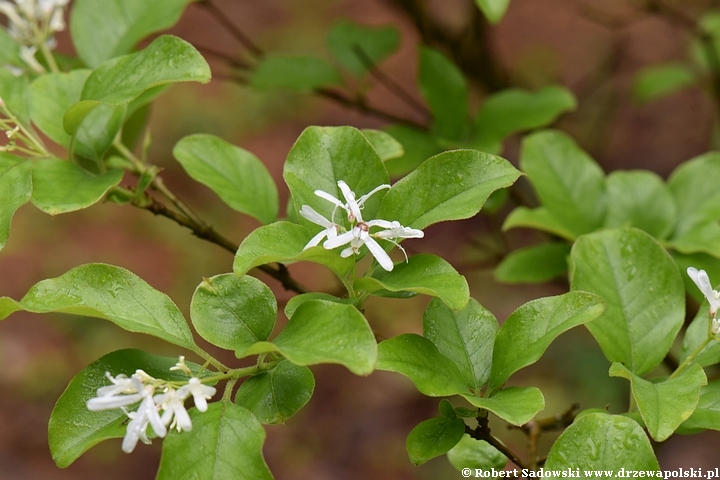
(353, 428)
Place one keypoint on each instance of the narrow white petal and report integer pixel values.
(109, 402)
(380, 255)
(330, 198)
(347, 252)
(315, 241)
(364, 198)
(380, 223)
(701, 279)
(352, 204)
(309, 213)
(343, 239)
(182, 418)
(135, 430)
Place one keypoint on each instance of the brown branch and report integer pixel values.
(230, 27)
(360, 105)
(482, 432)
(534, 428)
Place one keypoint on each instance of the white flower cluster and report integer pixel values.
(141, 387)
(359, 233)
(701, 279)
(33, 23)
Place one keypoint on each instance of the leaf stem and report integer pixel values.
(49, 58)
(691, 358)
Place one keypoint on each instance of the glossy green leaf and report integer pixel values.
(570, 184)
(476, 454)
(515, 405)
(107, 29)
(418, 146)
(664, 405)
(424, 273)
(98, 130)
(233, 313)
(14, 91)
(515, 110)
(696, 194)
(236, 175)
(640, 199)
(707, 411)
(538, 218)
(696, 334)
(73, 429)
(323, 155)
(295, 73)
(115, 294)
(657, 81)
(701, 261)
(702, 238)
(536, 264)
(494, 10)
(643, 293)
(15, 190)
(466, 337)
(446, 409)
(416, 357)
(360, 47)
(298, 300)
(384, 144)
(325, 332)
(8, 306)
(598, 441)
(60, 186)
(284, 242)
(433, 437)
(225, 442)
(527, 333)
(278, 394)
(445, 90)
(449, 186)
(51, 95)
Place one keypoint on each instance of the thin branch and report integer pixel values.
(360, 105)
(482, 432)
(234, 62)
(235, 31)
(534, 428)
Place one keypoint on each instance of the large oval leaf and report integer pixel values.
(434, 437)
(515, 405)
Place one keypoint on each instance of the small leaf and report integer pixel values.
(538, 218)
(15, 190)
(432, 373)
(446, 409)
(657, 81)
(232, 312)
(98, 130)
(60, 186)
(115, 294)
(325, 332)
(51, 95)
(443, 86)
(643, 293)
(236, 175)
(384, 144)
(374, 44)
(433, 437)
(225, 442)
(466, 337)
(664, 405)
(278, 394)
(536, 264)
(424, 273)
(527, 333)
(450, 186)
(707, 412)
(8, 306)
(418, 146)
(298, 300)
(515, 405)
(494, 10)
(296, 73)
(476, 455)
(695, 191)
(598, 441)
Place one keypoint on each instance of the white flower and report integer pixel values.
(124, 391)
(330, 228)
(352, 206)
(201, 393)
(359, 236)
(701, 279)
(147, 413)
(32, 23)
(172, 404)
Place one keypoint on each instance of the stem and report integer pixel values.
(691, 358)
(227, 394)
(236, 32)
(209, 358)
(47, 54)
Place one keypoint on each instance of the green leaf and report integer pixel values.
(446, 409)
(657, 81)
(73, 429)
(598, 441)
(60, 186)
(515, 110)
(323, 155)
(536, 264)
(384, 144)
(298, 300)
(538, 218)
(51, 95)
(14, 91)
(432, 373)
(643, 293)
(433, 437)
(9, 50)
(696, 334)
(527, 333)
(702, 238)
(701, 261)
(225, 442)
(696, 193)
(8, 306)
(15, 190)
(476, 455)
(233, 313)
(284, 242)
(450, 186)
(515, 405)
(707, 412)
(640, 199)
(424, 273)
(98, 130)
(297, 73)
(494, 10)
(107, 29)
(358, 47)
(115, 294)
(418, 146)
(570, 184)
(278, 394)
(325, 332)
(443, 86)
(465, 337)
(664, 405)
(236, 175)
